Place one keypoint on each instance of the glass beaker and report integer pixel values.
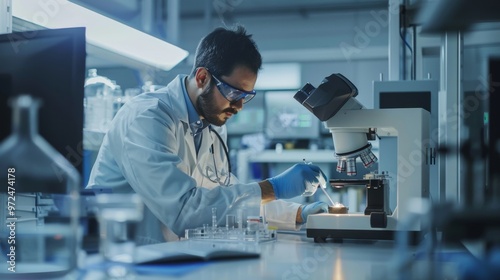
(119, 216)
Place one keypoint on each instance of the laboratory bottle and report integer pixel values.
(118, 99)
(39, 198)
(98, 102)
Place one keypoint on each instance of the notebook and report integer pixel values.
(194, 251)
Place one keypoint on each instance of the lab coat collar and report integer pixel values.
(196, 124)
(177, 94)
(193, 116)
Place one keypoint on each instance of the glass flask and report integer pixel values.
(39, 198)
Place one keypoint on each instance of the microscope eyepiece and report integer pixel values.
(303, 93)
(328, 98)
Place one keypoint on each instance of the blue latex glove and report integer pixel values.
(293, 181)
(313, 208)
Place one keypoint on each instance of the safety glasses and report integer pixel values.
(231, 93)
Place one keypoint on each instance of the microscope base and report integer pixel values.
(338, 235)
(353, 226)
(320, 235)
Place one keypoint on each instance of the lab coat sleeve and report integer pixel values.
(149, 163)
(281, 214)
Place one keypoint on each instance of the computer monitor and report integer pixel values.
(49, 65)
(287, 119)
(250, 119)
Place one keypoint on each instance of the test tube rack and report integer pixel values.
(256, 230)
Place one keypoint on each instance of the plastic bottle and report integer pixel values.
(118, 99)
(39, 198)
(98, 102)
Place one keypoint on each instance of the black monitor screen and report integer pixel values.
(406, 100)
(288, 119)
(50, 66)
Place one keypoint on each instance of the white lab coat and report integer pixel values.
(150, 150)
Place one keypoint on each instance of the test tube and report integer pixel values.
(214, 217)
(230, 220)
(239, 219)
(204, 231)
(263, 217)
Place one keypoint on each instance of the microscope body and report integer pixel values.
(411, 127)
(349, 122)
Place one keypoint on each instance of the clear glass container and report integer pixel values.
(253, 224)
(39, 198)
(98, 102)
(118, 99)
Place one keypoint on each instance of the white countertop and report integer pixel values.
(294, 256)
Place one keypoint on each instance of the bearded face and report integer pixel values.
(211, 110)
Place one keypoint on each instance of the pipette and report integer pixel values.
(322, 183)
(327, 195)
(310, 188)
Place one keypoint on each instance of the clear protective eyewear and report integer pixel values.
(231, 93)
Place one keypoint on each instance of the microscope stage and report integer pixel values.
(345, 221)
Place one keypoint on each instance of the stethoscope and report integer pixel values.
(226, 152)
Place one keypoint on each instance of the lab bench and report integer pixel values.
(295, 256)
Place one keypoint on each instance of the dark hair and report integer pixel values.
(223, 50)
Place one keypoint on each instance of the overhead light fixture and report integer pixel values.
(101, 31)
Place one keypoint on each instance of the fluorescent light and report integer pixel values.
(101, 31)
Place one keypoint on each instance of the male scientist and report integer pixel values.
(169, 147)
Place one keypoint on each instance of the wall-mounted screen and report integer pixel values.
(250, 119)
(288, 119)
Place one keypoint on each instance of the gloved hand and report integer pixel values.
(313, 208)
(293, 181)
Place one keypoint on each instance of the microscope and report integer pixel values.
(352, 127)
